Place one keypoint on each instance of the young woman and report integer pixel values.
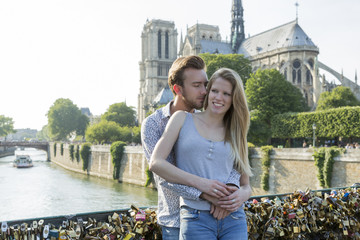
(207, 146)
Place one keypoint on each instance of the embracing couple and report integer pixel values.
(200, 159)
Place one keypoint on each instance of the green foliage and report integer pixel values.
(54, 149)
(324, 161)
(64, 117)
(117, 150)
(265, 166)
(148, 113)
(103, 132)
(338, 97)
(43, 134)
(82, 124)
(6, 126)
(85, 153)
(136, 134)
(338, 122)
(71, 152)
(268, 92)
(62, 149)
(77, 153)
(149, 177)
(121, 114)
(237, 62)
(259, 131)
(108, 131)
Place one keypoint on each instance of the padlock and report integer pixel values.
(46, 231)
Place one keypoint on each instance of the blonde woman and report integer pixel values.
(208, 145)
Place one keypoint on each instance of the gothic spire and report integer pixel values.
(356, 76)
(237, 25)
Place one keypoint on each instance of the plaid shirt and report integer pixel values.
(168, 193)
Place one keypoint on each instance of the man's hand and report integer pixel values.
(218, 212)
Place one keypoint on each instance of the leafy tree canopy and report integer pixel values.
(6, 126)
(121, 114)
(237, 62)
(338, 97)
(43, 134)
(268, 92)
(103, 132)
(64, 117)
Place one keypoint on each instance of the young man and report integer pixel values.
(187, 80)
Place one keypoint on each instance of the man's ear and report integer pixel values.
(177, 89)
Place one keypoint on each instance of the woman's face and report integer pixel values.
(220, 96)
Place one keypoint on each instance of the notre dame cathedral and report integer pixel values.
(286, 48)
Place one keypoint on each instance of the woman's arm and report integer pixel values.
(171, 173)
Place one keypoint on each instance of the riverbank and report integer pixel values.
(290, 168)
(5, 151)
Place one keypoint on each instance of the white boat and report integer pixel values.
(23, 161)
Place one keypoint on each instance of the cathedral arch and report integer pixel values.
(296, 72)
(159, 43)
(167, 44)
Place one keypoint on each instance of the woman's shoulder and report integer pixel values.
(180, 114)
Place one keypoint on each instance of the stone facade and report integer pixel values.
(286, 48)
(159, 50)
(291, 168)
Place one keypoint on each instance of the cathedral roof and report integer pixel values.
(209, 46)
(284, 36)
(164, 96)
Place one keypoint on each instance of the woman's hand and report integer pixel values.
(213, 188)
(233, 201)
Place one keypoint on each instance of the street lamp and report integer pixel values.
(314, 128)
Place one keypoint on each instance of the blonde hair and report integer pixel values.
(236, 119)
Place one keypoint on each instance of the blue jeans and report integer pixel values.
(201, 225)
(170, 233)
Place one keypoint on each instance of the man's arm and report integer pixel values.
(150, 135)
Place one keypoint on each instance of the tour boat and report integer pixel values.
(23, 161)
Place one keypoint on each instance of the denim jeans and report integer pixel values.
(201, 225)
(170, 233)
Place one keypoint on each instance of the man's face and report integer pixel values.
(194, 90)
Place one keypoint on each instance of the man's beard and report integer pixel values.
(191, 104)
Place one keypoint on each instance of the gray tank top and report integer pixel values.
(202, 157)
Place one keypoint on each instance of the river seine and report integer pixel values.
(49, 190)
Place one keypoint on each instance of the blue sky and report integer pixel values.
(88, 51)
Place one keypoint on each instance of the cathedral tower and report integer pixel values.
(237, 25)
(159, 50)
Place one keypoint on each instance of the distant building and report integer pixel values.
(286, 48)
(22, 134)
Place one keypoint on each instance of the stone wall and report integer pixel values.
(132, 170)
(290, 169)
(294, 169)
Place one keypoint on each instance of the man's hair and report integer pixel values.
(176, 72)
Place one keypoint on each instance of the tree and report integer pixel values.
(237, 62)
(43, 134)
(64, 117)
(121, 114)
(6, 126)
(103, 132)
(338, 97)
(259, 131)
(270, 93)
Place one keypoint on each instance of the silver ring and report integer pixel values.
(215, 190)
(233, 200)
